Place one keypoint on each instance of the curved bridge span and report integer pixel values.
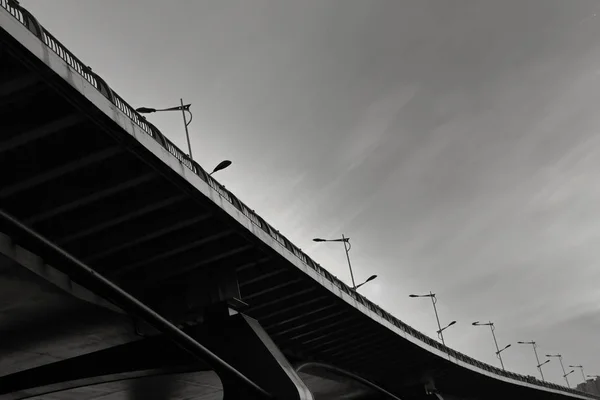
(92, 184)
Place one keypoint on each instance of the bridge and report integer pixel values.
(127, 270)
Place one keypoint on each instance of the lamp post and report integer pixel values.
(539, 366)
(504, 348)
(493, 328)
(567, 379)
(440, 331)
(347, 246)
(183, 108)
(544, 363)
(580, 368)
(559, 356)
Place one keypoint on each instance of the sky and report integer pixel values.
(454, 141)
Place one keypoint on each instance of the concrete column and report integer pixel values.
(241, 342)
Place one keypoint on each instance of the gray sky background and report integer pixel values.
(455, 141)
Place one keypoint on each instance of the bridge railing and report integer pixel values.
(27, 19)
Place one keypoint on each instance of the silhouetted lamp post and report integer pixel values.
(346, 241)
(504, 348)
(539, 366)
(493, 328)
(183, 108)
(545, 362)
(559, 356)
(440, 334)
(566, 375)
(580, 368)
(440, 331)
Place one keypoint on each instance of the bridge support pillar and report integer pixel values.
(431, 390)
(434, 393)
(242, 342)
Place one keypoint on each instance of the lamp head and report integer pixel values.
(222, 165)
(145, 110)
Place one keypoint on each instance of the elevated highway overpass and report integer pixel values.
(84, 175)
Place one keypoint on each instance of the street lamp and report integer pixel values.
(581, 368)
(504, 348)
(544, 363)
(222, 165)
(347, 246)
(539, 366)
(493, 328)
(369, 279)
(183, 108)
(567, 374)
(559, 356)
(439, 332)
(434, 301)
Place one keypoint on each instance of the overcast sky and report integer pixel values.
(455, 141)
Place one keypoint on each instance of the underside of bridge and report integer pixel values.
(61, 341)
(70, 173)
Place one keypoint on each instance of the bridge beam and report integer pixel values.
(243, 343)
(15, 85)
(12, 90)
(114, 186)
(245, 352)
(239, 340)
(37, 180)
(128, 361)
(325, 369)
(22, 138)
(106, 220)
